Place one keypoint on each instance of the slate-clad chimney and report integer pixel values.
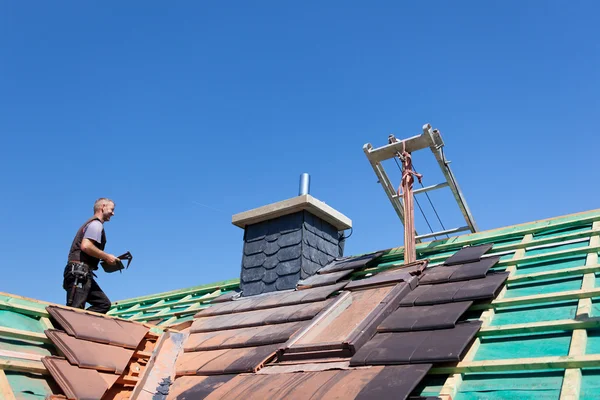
(288, 241)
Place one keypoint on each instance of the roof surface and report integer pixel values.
(537, 339)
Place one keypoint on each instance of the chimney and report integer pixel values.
(287, 241)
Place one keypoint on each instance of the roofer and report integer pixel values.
(86, 252)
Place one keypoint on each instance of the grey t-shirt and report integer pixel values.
(94, 231)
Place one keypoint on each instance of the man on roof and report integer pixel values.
(86, 252)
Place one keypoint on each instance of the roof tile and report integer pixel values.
(458, 272)
(443, 345)
(468, 254)
(97, 328)
(439, 316)
(476, 289)
(79, 383)
(243, 337)
(224, 361)
(88, 354)
(278, 315)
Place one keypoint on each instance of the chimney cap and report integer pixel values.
(289, 206)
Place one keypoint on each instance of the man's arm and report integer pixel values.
(89, 248)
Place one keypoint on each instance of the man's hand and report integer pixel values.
(110, 259)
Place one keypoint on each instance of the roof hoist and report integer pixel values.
(403, 201)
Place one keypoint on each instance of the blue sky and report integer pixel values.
(190, 112)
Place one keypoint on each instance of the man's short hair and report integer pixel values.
(101, 202)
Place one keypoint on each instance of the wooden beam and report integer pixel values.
(521, 364)
(571, 387)
(537, 327)
(565, 238)
(190, 301)
(223, 285)
(6, 392)
(22, 355)
(565, 221)
(537, 276)
(25, 335)
(551, 255)
(20, 365)
(46, 323)
(23, 309)
(539, 298)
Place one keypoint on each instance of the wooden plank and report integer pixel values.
(566, 238)
(46, 323)
(551, 255)
(571, 387)
(223, 285)
(169, 309)
(21, 355)
(23, 309)
(6, 392)
(25, 335)
(537, 327)
(20, 365)
(521, 364)
(565, 221)
(554, 274)
(540, 298)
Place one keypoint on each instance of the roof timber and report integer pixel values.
(521, 364)
(223, 285)
(571, 387)
(6, 391)
(492, 235)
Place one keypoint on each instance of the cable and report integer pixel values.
(417, 201)
(346, 237)
(464, 206)
(431, 203)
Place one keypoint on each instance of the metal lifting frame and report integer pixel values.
(432, 139)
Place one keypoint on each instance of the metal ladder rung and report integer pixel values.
(446, 232)
(432, 187)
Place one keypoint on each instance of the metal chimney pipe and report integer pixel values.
(304, 184)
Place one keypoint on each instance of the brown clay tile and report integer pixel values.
(189, 363)
(468, 254)
(269, 316)
(197, 387)
(243, 337)
(271, 300)
(383, 279)
(443, 345)
(322, 279)
(394, 382)
(475, 289)
(78, 383)
(86, 354)
(224, 361)
(97, 328)
(390, 382)
(459, 272)
(350, 263)
(438, 316)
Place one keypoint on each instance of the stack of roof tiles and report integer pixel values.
(334, 338)
(97, 350)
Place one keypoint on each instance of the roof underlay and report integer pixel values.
(539, 338)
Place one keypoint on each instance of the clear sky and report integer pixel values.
(188, 112)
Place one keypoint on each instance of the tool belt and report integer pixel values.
(80, 270)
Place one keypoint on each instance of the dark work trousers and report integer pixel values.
(87, 291)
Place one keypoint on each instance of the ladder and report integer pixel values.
(432, 139)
